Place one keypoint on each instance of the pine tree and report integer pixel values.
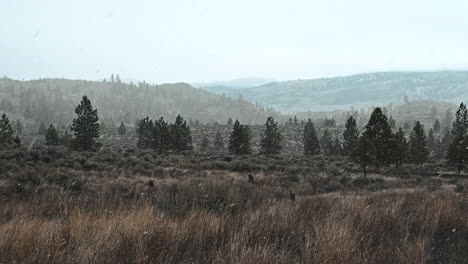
(66, 138)
(363, 154)
(218, 142)
(399, 148)
(337, 148)
(418, 152)
(145, 133)
(379, 133)
(447, 121)
(310, 140)
(85, 127)
(443, 144)
(6, 132)
(329, 122)
(350, 136)
(229, 122)
(458, 150)
(122, 129)
(431, 142)
(406, 126)
(436, 126)
(326, 142)
(270, 142)
(51, 136)
(239, 142)
(42, 129)
(163, 140)
(295, 121)
(180, 135)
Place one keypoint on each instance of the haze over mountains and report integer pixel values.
(235, 83)
(220, 100)
(53, 100)
(361, 90)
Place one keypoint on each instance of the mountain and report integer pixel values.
(233, 84)
(357, 91)
(54, 100)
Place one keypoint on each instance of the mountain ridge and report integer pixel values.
(358, 90)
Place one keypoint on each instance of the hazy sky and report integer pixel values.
(206, 40)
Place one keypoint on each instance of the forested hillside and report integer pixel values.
(53, 100)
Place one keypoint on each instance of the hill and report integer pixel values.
(357, 91)
(233, 84)
(53, 100)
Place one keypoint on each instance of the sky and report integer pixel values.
(208, 40)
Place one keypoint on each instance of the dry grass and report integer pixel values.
(373, 228)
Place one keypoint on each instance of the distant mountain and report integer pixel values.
(54, 100)
(362, 90)
(233, 84)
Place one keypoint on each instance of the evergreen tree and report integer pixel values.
(229, 122)
(145, 133)
(310, 139)
(436, 126)
(379, 133)
(329, 122)
(85, 127)
(399, 148)
(6, 132)
(431, 142)
(447, 121)
(51, 136)
(164, 141)
(418, 152)
(122, 129)
(289, 122)
(295, 121)
(406, 126)
(42, 129)
(66, 138)
(326, 142)
(239, 142)
(364, 153)
(443, 145)
(337, 148)
(180, 135)
(458, 150)
(218, 142)
(350, 136)
(271, 138)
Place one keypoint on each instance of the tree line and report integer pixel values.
(377, 145)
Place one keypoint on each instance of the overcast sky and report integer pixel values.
(206, 40)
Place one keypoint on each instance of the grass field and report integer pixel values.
(126, 205)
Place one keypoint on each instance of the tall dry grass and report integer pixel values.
(372, 228)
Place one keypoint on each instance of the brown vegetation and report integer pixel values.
(132, 206)
(379, 228)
